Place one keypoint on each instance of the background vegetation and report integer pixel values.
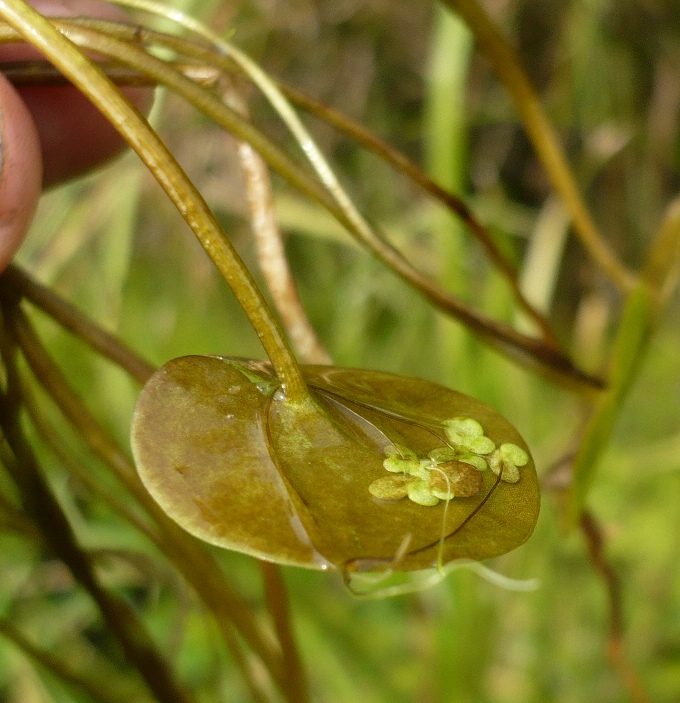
(608, 72)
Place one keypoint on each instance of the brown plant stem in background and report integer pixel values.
(42, 73)
(276, 595)
(69, 317)
(189, 556)
(271, 252)
(522, 348)
(615, 646)
(540, 131)
(404, 165)
(42, 506)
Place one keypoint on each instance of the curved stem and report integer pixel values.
(541, 133)
(595, 542)
(271, 252)
(90, 80)
(504, 338)
(38, 73)
(69, 317)
(522, 348)
(279, 608)
(407, 167)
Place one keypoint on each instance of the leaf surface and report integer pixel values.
(229, 459)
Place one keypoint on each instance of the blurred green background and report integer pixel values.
(608, 72)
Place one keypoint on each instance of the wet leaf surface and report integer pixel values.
(231, 461)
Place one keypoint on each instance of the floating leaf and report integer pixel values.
(507, 460)
(390, 487)
(370, 468)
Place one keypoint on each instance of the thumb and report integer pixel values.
(20, 171)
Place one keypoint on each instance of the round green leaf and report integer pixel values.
(230, 460)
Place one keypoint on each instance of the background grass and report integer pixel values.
(609, 76)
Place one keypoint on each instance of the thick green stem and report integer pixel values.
(635, 331)
(92, 82)
(642, 313)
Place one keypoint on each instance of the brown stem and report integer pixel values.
(271, 252)
(540, 131)
(16, 281)
(277, 600)
(197, 566)
(615, 649)
(43, 507)
(404, 165)
(30, 74)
